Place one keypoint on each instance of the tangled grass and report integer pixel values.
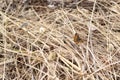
(37, 40)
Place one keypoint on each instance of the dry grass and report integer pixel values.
(37, 40)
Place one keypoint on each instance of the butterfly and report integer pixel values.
(77, 39)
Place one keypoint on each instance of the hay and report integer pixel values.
(37, 40)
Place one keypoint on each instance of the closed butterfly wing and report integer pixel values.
(77, 39)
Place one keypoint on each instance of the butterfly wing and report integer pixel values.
(77, 39)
